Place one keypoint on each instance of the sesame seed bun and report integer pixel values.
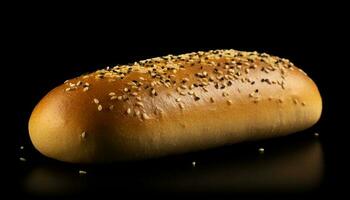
(174, 104)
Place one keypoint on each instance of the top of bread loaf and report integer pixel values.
(146, 78)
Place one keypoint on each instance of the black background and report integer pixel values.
(47, 49)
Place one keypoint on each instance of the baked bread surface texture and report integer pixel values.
(174, 104)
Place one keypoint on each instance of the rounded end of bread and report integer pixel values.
(72, 128)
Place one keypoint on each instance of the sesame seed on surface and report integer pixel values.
(145, 116)
(99, 107)
(261, 150)
(22, 159)
(140, 104)
(194, 163)
(295, 101)
(113, 97)
(211, 99)
(82, 172)
(83, 135)
(182, 106)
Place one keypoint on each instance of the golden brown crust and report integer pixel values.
(174, 104)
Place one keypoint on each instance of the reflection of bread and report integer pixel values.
(174, 104)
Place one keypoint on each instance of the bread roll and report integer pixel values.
(173, 104)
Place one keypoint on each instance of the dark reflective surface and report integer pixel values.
(292, 165)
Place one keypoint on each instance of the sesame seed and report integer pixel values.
(128, 111)
(178, 89)
(138, 98)
(196, 98)
(193, 164)
(183, 87)
(21, 147)
(184, 80)
(126, 89)
(295, 101)
(229, 102)
(113, 97)
(68, 89)
(316, 134)
(182, 93)
(134, 94)
(96, 101)
(111, 107)
(153, 91)
(145, 116)
(22, 159)
(83, 135)
(86, 89)
(131, 84)
(303, 103)
(139, 104)
(111, 94)
(99, 107)
(82, 172)
(178, 99)
(119, 98)
(261, 150)
(211, 99)
(182, 106)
